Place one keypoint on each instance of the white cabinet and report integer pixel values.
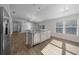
(36, 38)
(45, 35)
(48, 34)
(41, 36)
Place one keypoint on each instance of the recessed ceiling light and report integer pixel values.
(64, 9)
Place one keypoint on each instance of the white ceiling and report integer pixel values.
(46, 11)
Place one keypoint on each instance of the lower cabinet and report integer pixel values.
(40, 37)
(43, 36)
(37, 38)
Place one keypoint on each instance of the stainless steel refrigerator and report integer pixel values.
(4, 32)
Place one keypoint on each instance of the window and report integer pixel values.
(59, 27)
(71, 27)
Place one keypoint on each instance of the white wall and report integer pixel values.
(26, 26)
(30, 26)
(51, 25)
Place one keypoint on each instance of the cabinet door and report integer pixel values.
(48, 34)
(43, 36)
(36, 38)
